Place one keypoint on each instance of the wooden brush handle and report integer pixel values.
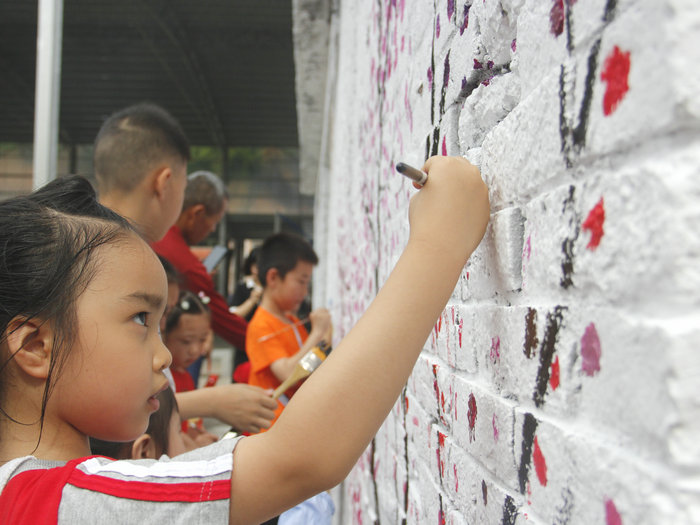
(307, 364)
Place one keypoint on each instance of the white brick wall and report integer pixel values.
(561, 385)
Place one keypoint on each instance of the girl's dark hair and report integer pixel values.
(171, 273)
(187, 303)
(252, 259)
(48, 243)
(158, 429)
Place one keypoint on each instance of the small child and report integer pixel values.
(276, 339)
(163, 435)
(188, 336)
(81, 355)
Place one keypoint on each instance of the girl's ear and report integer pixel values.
(144, 447)
(30, 342)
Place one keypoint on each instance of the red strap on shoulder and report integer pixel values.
(34, 496)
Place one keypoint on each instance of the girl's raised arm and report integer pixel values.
(334, 416)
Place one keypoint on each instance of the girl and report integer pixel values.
(80, 301)
(188, 336)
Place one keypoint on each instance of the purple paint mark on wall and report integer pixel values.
(444, 146)
(437, 27)
(590, 351)
(478, 65)
(465, 21)
(612, 517)
(430, 78)
(513, 45)
(450, 9)
(494, 424)
(527, 249)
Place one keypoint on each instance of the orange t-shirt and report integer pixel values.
(262, 354)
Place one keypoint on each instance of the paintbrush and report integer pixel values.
(306, 365)
(416, 175)
(288, 327)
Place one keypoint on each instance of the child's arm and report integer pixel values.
(335, 414)
(320, 328)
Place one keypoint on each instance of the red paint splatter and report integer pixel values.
(594, 224)
(444, 146)
(514, 45)
(540, 464)
(494, 424)
(441, 461)
(478, 65)
(441, 517)
(556, 18)
(612, 517)
(495, 352)
(430, 78)
(415, 421)
(590, 351)
(471, 417)
(615, 72)
(440, 323)
(527, 250)
(554, 374)
(461, 329)
(454, 469)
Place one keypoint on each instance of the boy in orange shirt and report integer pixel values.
(276, 339)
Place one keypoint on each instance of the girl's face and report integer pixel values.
(115, 368)
(188, 340)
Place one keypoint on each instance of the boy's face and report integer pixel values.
(288, 293)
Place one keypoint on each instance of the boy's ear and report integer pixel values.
(144, 447)
(161, 179)
(30, 342)
(271, 276)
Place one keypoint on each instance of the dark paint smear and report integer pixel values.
(565, 511)
(445, 82)
(510, 511)
(432, 85)
(471, 417)
(407, 479)
(529, 429)
(609, 13)
(484, 492)
(531, 340)
(579, 134)
(567, 247)
(551, 333)
(436, 142)
(567, 265)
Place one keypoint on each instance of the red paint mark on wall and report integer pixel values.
(612, 517)
(594, 224)
(557, 16)
(460, 330)
(495, 352)
(465, 20)
(437, 27)
(590, 351)
(454, 469)
(554, 374)
(450, 9)
(444, 146)
(471, 417)
(440, 459)
(494, 424)
(615, 73)
(527, 249)
(540, 464)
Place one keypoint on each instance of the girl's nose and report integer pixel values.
(162, 357)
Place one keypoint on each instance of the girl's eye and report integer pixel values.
(141, 318)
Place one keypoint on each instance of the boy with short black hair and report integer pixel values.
(276, 339)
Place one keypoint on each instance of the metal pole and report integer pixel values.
(47, 90)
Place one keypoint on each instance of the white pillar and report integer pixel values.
(47, 90)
